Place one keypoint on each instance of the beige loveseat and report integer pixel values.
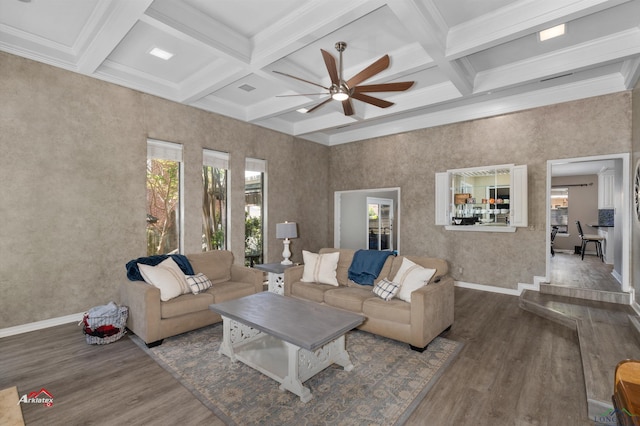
(429, 313)
(153, 320)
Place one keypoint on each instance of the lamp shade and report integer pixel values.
(286, 230)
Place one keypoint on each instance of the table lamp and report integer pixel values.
(286, 230)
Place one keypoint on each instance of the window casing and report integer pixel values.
(164, 197)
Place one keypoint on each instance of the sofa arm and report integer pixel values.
(245, 274)
(292, 275)
(432, 308)
(143, 301)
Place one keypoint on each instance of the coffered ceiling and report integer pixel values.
(469, 58)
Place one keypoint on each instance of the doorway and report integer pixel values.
(566, 268)
(357, 226)
(380, 223)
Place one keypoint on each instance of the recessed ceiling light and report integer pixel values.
(162, 54)
(302, 110)
(552, 32)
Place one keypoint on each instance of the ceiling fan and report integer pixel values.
(344, 90)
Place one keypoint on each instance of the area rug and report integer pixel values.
(387, 383)
(10, 410)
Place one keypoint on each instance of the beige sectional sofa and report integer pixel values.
(152, 319)
(429, 313)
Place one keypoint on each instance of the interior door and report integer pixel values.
(380, 224)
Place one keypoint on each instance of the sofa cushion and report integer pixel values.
(394, 310)
(320, 268)
(411, 277)
(215, 264)
(185, 304)
(229, 290)
(310, 291)
(386, 289)
(348, 298)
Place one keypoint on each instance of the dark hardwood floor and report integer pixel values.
(568, 270)
(516, 369)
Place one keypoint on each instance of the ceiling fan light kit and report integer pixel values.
(343, 91)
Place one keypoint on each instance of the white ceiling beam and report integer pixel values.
(108, 25)
(184, 19)
(599, 51)
(453, 113)
(207, 80)
(429, 30)
(304, 25)
(516, 20)
(631, 72)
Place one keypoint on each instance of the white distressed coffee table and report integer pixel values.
(287, 339)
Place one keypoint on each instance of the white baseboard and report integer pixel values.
(635, 307)
(510, 291)
(39, 325)
(617, 276)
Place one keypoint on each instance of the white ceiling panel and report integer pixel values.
(35, 18)
(133, 52)
(468, 59)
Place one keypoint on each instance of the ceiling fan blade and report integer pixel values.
(384, 87)
(373, 69)
(319, 105)
(371, 100)
(301, 79)
(330, 62)
(347, 107)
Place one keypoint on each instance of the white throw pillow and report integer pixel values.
(411, 277)
(171, 264)
(386, 289)
(162, 278)
(320, 268)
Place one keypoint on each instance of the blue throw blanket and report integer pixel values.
(133, 273)
(366, 265)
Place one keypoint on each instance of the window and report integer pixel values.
(164, 180)
(214, 200)
(254, 196)
(488, 199)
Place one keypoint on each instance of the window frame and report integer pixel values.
(172, 151)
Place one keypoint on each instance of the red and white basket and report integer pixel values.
(105, 329)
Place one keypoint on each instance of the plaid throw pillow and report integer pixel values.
(386, 289)
(198, 282)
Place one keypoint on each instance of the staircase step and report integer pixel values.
(587, 294)
(607, 334)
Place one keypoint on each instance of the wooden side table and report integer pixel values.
(275, 274)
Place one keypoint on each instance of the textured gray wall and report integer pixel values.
(583, 206)
(72, 164)
(587, 127)
(72, 167)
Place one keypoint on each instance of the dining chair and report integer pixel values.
(596, 239)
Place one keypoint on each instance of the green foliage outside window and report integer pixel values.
(163, 196)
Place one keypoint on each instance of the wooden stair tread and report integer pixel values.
(605, 335)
